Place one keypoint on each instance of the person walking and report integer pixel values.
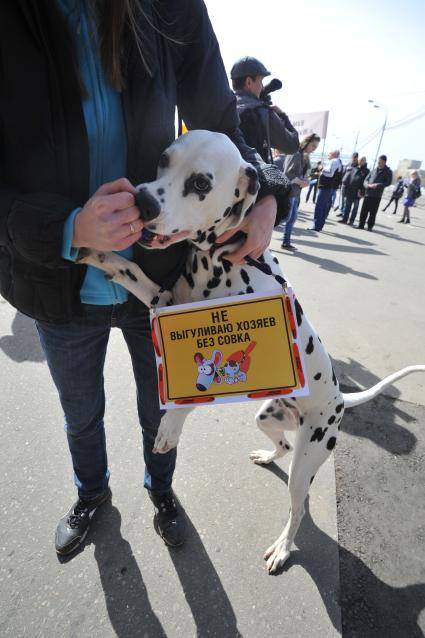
(103, 100)
(396, 194)
(353, 185)
(413, 192)
(314, 180)
(295, 168)
(329, 181)
(374, 185)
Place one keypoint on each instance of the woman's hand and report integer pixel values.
(258, 226)
(109, 220)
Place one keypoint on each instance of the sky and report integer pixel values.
(336, 55)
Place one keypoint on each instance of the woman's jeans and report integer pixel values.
(292, 218)
(75, 354)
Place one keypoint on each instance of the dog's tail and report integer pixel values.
(357, 398)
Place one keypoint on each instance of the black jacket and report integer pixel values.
(44, 168)
(353, 180)
(263, 128)
(381, 176)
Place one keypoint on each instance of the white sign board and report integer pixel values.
(308, 123)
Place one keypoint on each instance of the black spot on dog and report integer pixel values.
(206, 293)
(269, 409)
(249, 290)
(280, 280)
(253, 184)
(310, 346)
(211, 238)
(155, 301)
(334, 377)
(299, 312)
(218, 270)
(214, 282)
(211, 228)
(160, 191)
(275, 259)
(278, 415)
(164, 161)
(317, 376)
(237, 208)
(227, 212)
(227, 265)
(237, 193)
(331, 443)
(262, 417)
(176, 230)
(301, 420)
(108, 277)
(312, 479)
(130, 275)
(201, 197)
(216, 221)
(200, 237)
(318, 434)
(122, 272)
(245, 276)
(228, 283)
(339, 407)
(195, 265)
(331, 419)
(204, 262)
(189, 279)
(281, 443)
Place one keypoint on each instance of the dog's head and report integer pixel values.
(203, 188)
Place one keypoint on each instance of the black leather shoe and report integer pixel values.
(73, 527)
(169, 520)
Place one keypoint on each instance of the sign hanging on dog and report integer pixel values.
(228, 350)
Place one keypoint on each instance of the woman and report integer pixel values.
(413, 192)
(104, 80)
(295, 168)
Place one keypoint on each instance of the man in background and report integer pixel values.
(264, 126)
(352, 182)
(374, 184)
(329, 181)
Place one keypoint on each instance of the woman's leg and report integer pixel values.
(75, 354)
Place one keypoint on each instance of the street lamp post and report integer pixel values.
(377, 105)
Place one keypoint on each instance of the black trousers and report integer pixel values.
(369, 208)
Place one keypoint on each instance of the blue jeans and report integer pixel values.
(323, 206)
(75, 354)
(292, 218)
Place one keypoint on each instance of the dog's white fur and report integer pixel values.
(201, 218)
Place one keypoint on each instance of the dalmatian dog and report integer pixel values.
(204, 188)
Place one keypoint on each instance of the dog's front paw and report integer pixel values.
(276, 556)
(262, 457)
(164, 443)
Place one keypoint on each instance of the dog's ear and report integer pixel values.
(245, 193)
(198, 358)
(217, 357)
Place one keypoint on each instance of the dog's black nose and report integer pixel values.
(200, 387)
(148, 206)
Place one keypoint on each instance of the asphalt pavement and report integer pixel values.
(358, 565)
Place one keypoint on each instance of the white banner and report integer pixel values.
(308, 123)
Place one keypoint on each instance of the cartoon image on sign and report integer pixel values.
(237, 365)
(207, 370)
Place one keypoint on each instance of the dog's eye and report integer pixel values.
(201, 184)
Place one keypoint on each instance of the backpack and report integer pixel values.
(252, 127)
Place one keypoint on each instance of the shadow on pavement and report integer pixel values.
(329, 264)
(377, 418)
(126, 597)
(211, 608)
(369, 607)
(23, 344)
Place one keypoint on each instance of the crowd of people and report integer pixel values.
(270, 132)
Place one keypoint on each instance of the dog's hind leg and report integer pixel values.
(312, 447)
(274, 417)
(170, 429)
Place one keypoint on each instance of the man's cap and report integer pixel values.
(248, 66)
